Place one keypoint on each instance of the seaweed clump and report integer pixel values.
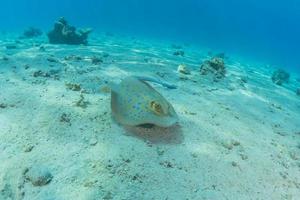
(63, 33)
(280, 76)
(214, 66)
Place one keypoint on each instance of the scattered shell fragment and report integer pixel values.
(183, 69)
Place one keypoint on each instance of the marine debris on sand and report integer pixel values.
(63, 33)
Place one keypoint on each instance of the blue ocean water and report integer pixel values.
(78, 120)
(265, 31)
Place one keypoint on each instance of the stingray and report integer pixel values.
(136, 103)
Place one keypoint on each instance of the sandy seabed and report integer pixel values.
(238, 138)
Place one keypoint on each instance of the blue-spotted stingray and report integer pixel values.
(134, 102)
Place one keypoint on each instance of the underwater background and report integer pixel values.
(260, 31)
(159, 100)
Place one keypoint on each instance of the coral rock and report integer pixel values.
(63, 33)
(214, 66)
(178, 53)
(280, 76)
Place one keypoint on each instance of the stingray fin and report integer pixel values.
(114, 87)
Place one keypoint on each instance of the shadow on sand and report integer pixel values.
(157, 135)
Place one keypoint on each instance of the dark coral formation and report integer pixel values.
(175, 46)
(280, 76)
(96, 60)
(178, 53)
(49, 74)
(63, 33)
(11, 46)
(32, 32)
(73, 86)
(215, 66)
(298, 92)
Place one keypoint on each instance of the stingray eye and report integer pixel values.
(156, 108)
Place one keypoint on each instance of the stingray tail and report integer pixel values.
(113, 87)
(164, 84)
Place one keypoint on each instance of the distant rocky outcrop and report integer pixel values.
(280, 77)
(178, 53)
(63, 33)
(32, 32)
(215, 67)
(298, 92)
